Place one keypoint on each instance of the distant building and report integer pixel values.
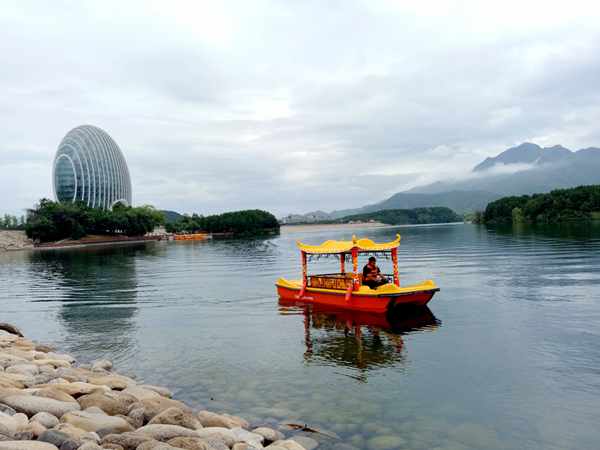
(90, 167)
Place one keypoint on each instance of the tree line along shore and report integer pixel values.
(49, 401)
(562, 205)
(53, 221)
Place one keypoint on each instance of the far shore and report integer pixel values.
(290, 228)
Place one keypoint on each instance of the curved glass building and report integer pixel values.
(89, 166)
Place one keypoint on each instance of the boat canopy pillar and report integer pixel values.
(395, 264)
(304, 273)
(356, 281)
(342, 263)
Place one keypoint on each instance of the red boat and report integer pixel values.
(345, 289)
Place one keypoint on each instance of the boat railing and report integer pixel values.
(338, 281)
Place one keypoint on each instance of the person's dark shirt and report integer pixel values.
(367, 270)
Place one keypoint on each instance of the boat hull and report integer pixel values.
(376, 303)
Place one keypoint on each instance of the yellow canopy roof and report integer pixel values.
(363, 245)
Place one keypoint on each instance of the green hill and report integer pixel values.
(438, 214)
(580, 203)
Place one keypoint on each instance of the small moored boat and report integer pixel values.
(345, 289)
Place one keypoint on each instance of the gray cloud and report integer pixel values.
(290, 106)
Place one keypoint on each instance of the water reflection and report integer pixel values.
(97, 289)
(361, 340)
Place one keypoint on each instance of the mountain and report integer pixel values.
(525, 153)
(524, 169)
(459, 201)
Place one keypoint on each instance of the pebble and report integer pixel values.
(90, 421)
(269, 434)
(26, 445)
(102, 365)
(176, 416)
(32, 405)
(166, 432)
(46, 419)
(7, 409)
(46, 395)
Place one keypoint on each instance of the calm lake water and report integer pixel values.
(506, 357)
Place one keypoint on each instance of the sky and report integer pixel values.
(291, 106)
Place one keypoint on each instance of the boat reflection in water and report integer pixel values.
(355, 339)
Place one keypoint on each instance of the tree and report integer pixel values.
(52, 221)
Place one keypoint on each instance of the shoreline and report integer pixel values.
(49, 401)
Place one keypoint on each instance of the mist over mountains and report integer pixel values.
(524, 169)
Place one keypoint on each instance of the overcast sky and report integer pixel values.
(291, 106)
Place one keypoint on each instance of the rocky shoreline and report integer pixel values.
(48, 401)
(14, 240)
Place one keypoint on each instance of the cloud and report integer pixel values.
(291, 106)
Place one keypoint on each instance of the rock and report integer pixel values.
(32, 405)
(136, 417)
(54, 437)
(10, 425)
(71, 374)
(176, 416)
(51, 362)
(15, 380)
(27, 369)
(155, 445)
(89, 445)
(165, 432)
(70, 445)
(95, 410)
(113, 446)
(248, 437)
(46, 419)
(269, 434)
(76, 433)
(90, 421)
(210, 419)
(245, 446)
(190, 443)
(101, 365)
(158, 389)
(57, 356)
(223, 434)
(113, 381)
(24, 436)
(154, 406)
(37, 428)
(305, 441)
(26, 445)
(53, 394)
(285, 445)
(10, 329)
(111, 403)
(77, 388)
(141, 394)
(43, 348)
(7, 410)
(129, 441)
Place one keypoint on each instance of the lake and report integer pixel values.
(506, 357)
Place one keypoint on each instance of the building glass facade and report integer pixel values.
(90, 167)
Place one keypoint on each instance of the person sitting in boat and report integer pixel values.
(372, 275)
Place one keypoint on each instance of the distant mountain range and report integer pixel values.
(524, 169)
